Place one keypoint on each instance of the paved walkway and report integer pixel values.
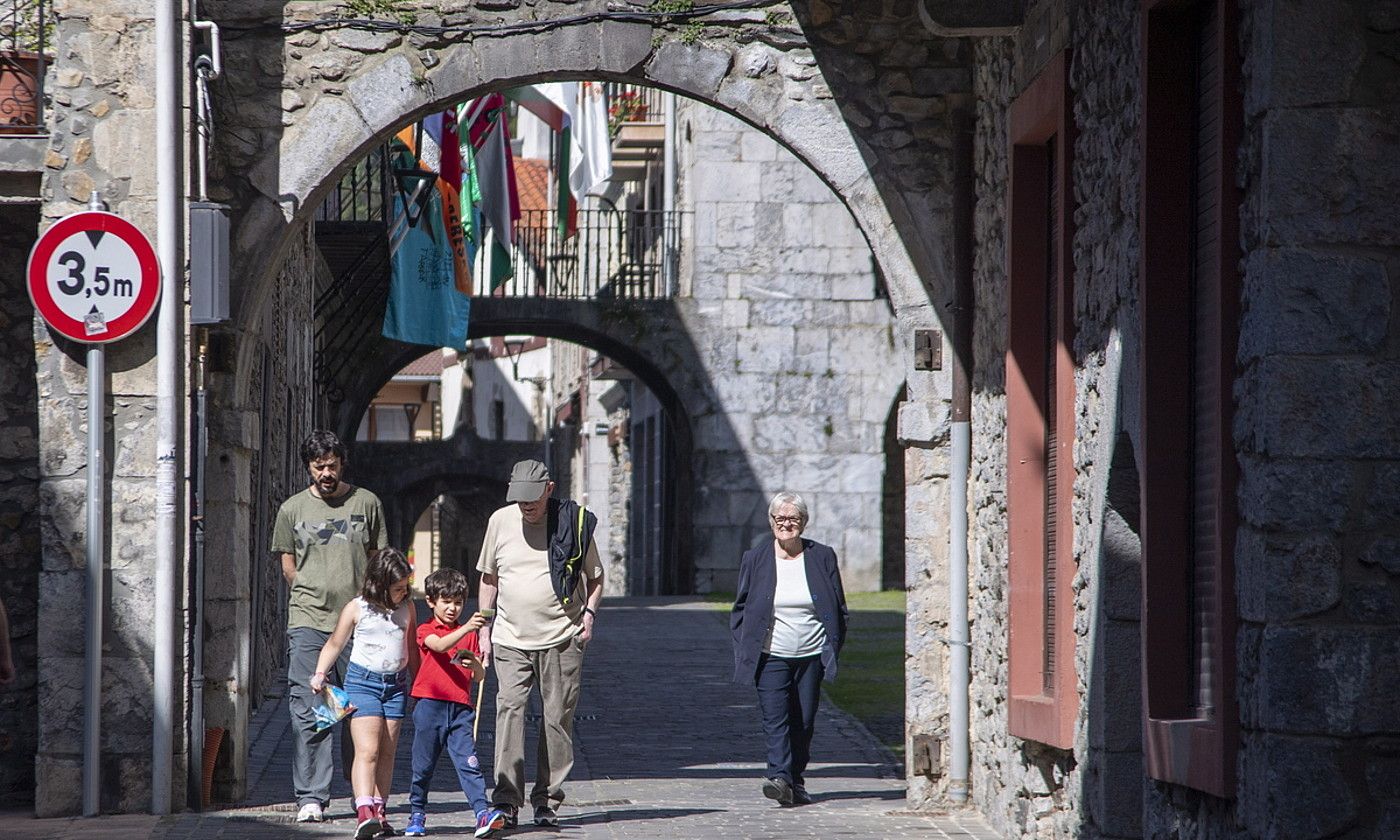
(667, 747)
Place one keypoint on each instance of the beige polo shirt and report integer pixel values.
(528, 614)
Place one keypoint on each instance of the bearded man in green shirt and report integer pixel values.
(324, 535)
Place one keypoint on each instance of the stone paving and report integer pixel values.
(668, 747)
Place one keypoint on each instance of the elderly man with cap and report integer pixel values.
(541, 574)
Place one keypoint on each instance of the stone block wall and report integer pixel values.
(780, 296)
(20, 554)
(1315, 424)
(1314, 432)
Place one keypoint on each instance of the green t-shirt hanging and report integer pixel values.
(331, 540)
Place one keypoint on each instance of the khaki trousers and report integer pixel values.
(558, 670)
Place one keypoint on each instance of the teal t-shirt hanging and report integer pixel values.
(425, 306)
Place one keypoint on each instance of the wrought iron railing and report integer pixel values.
(629, 254)
(25, 33)
(613, 254)
(362, 194)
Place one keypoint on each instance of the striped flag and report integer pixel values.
(488, 132)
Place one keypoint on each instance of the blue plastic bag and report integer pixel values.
(335, 704)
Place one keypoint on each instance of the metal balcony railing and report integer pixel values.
(362, 194)
(614, 254)
(25, 33)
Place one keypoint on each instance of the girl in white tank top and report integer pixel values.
(381, 622)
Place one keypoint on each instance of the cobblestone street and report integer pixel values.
(668, 747)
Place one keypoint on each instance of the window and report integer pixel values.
(1189, 297)
(1040, 412)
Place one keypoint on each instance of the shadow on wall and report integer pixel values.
(21, 557)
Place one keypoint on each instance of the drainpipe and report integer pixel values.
(668, 201)
(961, 457)
(207, 68)
(168, 355)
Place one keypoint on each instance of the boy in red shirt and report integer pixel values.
(444, 715)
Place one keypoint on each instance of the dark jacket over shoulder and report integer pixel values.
(752, 616)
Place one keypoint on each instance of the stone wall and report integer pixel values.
(780, 296)
(101, 136)
(1317, 404)
(254, 464)
(20, 555)
(1314, 405)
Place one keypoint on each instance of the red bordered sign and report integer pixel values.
(94, 277)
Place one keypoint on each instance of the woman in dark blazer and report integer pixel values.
(788, 623)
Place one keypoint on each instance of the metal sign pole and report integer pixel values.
(96, 591)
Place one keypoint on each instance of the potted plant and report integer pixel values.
(23, 35)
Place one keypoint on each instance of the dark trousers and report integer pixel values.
(438, 724)
(788, 693)
(312, 765)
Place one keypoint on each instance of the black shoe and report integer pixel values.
(512, 814)
(800, 796)
(779, 789)
(545, 815)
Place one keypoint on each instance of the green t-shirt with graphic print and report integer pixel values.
(331, 540)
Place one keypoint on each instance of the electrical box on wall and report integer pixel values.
(926, 756)
(208, 263)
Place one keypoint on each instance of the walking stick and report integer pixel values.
(480, 691)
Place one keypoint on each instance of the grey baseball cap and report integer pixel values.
(527, 481)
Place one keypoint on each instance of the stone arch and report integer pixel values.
(397, 80)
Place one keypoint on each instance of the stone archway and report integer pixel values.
(328, 93)
(336, 90)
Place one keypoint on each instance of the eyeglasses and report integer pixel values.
(787, 520)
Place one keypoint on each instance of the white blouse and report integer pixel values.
(796, 631)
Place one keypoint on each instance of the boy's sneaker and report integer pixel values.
(490, 822)
(369, 825)
(778, 788)
(311, 812)
(545, 815)
(512, 813)
(417, 824)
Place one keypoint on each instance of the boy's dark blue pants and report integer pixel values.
(788, 693)
(438, 724)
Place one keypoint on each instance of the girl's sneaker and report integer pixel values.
(490, 822)
(385, 830)
(417, 825)
(369, 825)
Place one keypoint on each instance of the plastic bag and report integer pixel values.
(335, 704)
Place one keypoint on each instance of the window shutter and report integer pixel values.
(1189, 299)
(1043, 701)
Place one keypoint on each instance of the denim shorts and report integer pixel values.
(375, 694)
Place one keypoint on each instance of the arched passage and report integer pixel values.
(408, 476)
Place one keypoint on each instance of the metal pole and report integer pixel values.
(668, 201)
(96, 560)
(169, 177)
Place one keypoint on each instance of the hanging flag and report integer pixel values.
(435, 144)
(548, 102)
(593, 163)
(425, 306)
(489, 135)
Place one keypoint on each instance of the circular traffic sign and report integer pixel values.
(93, 277)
